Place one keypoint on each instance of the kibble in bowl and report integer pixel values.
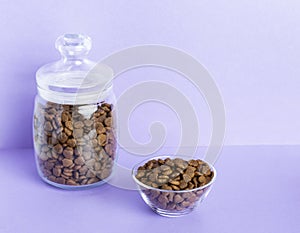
(172, 186)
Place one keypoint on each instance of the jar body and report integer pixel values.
(75, 145)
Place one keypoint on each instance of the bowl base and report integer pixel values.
(171, 214)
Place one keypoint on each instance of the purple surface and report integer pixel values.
(251, 47)
(257, 190)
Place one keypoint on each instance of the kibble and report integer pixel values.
(73, 147)
(171, 175)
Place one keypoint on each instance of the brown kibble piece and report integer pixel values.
(193, 163)
(87, 155)
(162, 181)
(174, 187)
(102, 139)
(76, 175)
(179, 208)
(68, 132)
(57, 171)
(68, 152)
(202, 179)
(192, 198)
(195, 181)
(84, 181)
(166, 187)
(71, 182)
(185, 204)
(78, 133)
(180, 163)
(108, 121)
(140, 174)
(163, 201)
(69, 125)
(105, 173)
(178, 198)
(62, 137)
(190, 170)
(97, 166)
(83, 170)
(58, 148)
(90, 163)
(52, 178)
(175, 182)
(64, 116)
(171, 196)
(199, 192)
(71, 142)
(186, 195)
(67, 173)
(153, 177)
(60, 180)
(48, 126)
(90, 174)
(186, 178)
(183, 184)
(79, 161)
(78, 124)
(88, 123)
(109, 149)
(171, 206)
(105, 108)
(67, 162)
(167, 172)
(92, 180)
(100, 128)
(191, 185)
(206, 171)
(49, 165)
(154, 194)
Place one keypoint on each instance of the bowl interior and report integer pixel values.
(145, 186)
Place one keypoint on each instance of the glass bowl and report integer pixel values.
(172, 203)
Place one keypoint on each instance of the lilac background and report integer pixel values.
(251, 48)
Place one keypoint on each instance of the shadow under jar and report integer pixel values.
(74, 118)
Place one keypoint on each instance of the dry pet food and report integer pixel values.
(177, 175)
(74, 144)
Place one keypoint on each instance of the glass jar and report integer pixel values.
(74, 127)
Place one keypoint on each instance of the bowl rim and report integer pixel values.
(136, 166)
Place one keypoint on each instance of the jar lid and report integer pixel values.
(74, 79)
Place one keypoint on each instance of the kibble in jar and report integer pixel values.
(169, 181)
(75, 145)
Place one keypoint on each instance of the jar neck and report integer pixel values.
(74, 59)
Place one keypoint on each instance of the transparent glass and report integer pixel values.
(74, 128)
(171, 203)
